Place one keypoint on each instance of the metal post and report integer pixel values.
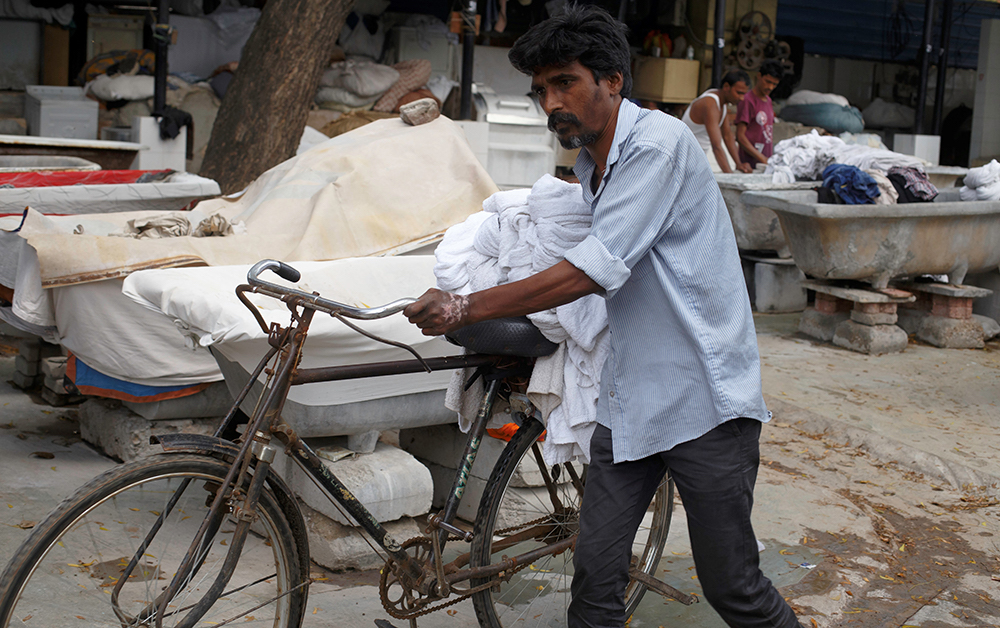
(946, 15)
(926, 50)
(719, 37)
(468, 49)
(161, 36)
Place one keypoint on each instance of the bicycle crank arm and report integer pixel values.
(660, 587)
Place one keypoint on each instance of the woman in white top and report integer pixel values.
(706, 117)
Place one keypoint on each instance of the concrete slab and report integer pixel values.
(951, 333)
(820, 324)
(119, 432)
(869, 339)
(859, 295)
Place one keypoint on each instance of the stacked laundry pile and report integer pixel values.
(805, 157)
(982, 184)
(518, 234)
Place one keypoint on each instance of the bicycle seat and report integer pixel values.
(504, 336)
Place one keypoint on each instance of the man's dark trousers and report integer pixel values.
(715, 476)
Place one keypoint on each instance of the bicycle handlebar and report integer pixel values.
(313, 301)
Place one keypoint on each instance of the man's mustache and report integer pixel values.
(561, 117)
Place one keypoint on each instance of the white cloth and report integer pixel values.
(203, 306)
(982, 184)
(519, 234)
(887, 191)
(804, 157)
(809, 97)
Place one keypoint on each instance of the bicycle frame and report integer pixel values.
(265, 422)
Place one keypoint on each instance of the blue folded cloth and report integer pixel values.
(852, 185)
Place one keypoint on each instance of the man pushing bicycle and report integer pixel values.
(681, 389)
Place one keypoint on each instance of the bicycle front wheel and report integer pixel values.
(519, 513)
(65, 572)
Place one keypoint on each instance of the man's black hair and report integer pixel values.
(733, 77)
(583, 33)
(772, 68)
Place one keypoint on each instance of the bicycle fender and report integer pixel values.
(203, 444)
(195, 443)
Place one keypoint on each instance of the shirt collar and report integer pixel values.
(628, 115)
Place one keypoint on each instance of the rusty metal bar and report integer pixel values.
(488, 571)
(662, 588)
(397, 367)
(468, 458)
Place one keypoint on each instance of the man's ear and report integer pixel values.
(615, 83)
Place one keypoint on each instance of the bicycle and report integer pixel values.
(207, 533)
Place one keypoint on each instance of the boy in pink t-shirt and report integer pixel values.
(755, 116)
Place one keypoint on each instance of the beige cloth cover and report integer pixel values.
(380, 189)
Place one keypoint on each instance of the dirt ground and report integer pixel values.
(915, 553)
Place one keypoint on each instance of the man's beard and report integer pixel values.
(573, 141)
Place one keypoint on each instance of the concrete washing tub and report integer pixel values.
(876, 243)
(757, 228)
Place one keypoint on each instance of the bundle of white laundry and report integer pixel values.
(518, 234)
(804, 157)
(982, 184)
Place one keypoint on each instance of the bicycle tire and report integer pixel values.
(65, 570)
(539, 594)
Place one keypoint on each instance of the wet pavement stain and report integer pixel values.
(918, 563)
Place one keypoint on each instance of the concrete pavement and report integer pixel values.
(876, 499)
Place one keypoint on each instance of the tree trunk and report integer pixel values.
(267, 103)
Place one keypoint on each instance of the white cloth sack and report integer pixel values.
(809, 97)
(982, 184)
(121, 87)
(360, 76)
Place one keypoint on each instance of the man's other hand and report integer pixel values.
(745, 167)
(437, 312)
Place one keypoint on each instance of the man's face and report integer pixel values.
(734, 93)
(766, 84)
(578, 107)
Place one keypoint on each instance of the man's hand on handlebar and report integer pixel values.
(437, 312)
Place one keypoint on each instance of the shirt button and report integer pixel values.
(612, 393)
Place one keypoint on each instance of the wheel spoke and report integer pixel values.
(69, 577)
(539, 594)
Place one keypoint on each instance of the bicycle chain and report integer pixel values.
(392, 610)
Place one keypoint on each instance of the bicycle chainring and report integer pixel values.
(398, 591)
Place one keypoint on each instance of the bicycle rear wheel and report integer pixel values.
(518, 514)
(66, 570)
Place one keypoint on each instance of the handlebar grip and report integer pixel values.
(282, 269)
(287, 273)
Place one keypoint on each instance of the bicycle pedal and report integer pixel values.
(381, 623)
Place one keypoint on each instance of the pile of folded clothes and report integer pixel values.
(850, 185)
(805, 157)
